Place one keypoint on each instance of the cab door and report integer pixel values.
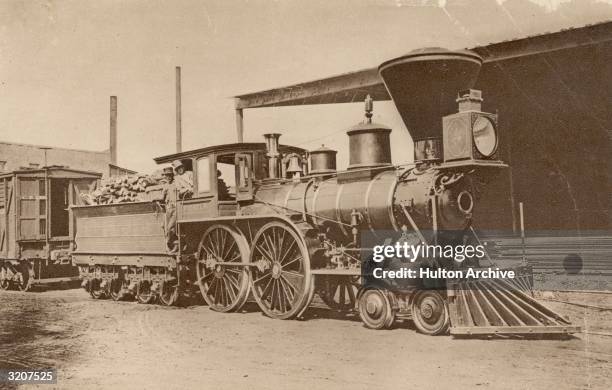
(32, 208)
(203, 203)
(244, 176)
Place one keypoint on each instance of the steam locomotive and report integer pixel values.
(294, 225)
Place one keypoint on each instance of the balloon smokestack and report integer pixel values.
(424, 85)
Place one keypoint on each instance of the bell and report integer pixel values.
(294, 166)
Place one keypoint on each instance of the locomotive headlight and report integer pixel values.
(485, 136)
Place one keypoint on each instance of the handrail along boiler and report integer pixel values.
(292, 225)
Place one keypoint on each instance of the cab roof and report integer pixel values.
(240, 147)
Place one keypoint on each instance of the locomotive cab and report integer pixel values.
(224, 176)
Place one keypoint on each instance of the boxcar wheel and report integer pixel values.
(430, 312)
(225, 287)
(144, 294)
(95, 291)
(116, 290)
(169, 293)
(375, 309)
(282, 283)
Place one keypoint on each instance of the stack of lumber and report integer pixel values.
(125, 189)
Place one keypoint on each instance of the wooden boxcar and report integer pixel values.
(35, 224)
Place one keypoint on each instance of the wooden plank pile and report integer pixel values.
(126, 189)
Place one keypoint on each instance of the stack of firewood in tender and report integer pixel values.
(125, 189)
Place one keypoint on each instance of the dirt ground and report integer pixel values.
(105, 344)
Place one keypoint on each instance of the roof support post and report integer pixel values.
(239, 123)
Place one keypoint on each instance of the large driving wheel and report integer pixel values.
(282, 283)
(338, 292)
(224, 287)
(430, 312)
(375, 309)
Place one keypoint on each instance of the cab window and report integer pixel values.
(203, 171)
(226, 177)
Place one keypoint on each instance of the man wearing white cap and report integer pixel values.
(183, 179)
(170, 194)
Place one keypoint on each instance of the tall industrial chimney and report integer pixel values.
(113, 130)
(179, 130)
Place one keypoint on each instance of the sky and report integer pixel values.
(61, 60)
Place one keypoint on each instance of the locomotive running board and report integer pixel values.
(498, 307)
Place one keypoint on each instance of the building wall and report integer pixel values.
(553, 114)
(609, 162)
(15, 156)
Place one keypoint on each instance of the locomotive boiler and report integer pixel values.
(294, 226)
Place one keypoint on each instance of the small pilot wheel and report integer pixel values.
(95, 291)
(169, 293)
(282, 283)
(224, 287)
(375, 309)
(144, 293)
(338, 292)
(430, 312)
